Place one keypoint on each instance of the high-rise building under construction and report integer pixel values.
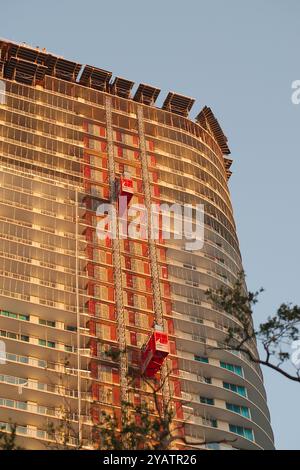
(73, 138)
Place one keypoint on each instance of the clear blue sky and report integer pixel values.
(239, 57)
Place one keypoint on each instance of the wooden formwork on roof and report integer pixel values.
(178, 104)
(93, 77)
(207, 120)
(30, 65)
(146, 94)
(121, 87)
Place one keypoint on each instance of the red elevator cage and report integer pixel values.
(154, 353)
(126, 187)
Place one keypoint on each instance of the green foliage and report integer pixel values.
(8, 439)
(140, 429)
(64, 435)
(114, 354)
(146, 425)
(275, 335)
(149, 425)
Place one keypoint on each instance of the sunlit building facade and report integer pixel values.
(68, 135)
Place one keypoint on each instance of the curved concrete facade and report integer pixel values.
(196, 172)
(67, 297)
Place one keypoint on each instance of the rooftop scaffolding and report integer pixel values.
(178, 104)
(146, 94)
(121, 87)
(29, 65)
(208, 121)
(95, 78)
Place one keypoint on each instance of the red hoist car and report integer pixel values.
(124, 192)
(126, 187)
(155, 352)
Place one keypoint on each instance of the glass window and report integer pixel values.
(233, 368)
(71, 328)
(24, 359)
(9, 379)
(207, 401)
(235, 388)
(6, 313)
(241, 431)
(11, 335)
(248, 433)
(9, 403)
(47, 322)
(242, 410)
(241, 391)
(42, 409)
(22, 405)
(22, 429)
(245, 412)
(24, 317)
(201, 359)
